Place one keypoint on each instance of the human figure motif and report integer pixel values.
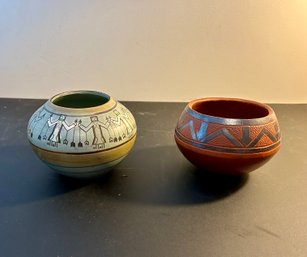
(55, 136)
(113, 130)
(97, 128)
(37, 117)
(123, 118)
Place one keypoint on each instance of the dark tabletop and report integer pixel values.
(155, 203)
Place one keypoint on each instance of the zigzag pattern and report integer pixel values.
(263, 132)
(246, 140)
(201, 133)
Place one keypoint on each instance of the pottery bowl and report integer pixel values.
(228, 135)
(82, 133)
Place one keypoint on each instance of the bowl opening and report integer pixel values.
(78, 100)
(233, 109)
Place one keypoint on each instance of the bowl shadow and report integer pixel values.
(157, 175)
(24, 178)
(161, 175)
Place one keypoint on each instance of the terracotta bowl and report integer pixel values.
(228, 135)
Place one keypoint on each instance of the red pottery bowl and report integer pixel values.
(228, 135)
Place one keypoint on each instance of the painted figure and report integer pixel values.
(37, 117)
(123, 118)
(55, 136)
(99, 130)
(114, 130)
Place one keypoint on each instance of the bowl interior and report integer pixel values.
(86, 99)
(233, 109)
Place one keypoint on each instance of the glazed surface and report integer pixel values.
(225, 143)
(228, 135)
(59, 129)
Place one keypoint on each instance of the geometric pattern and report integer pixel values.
(230, 138)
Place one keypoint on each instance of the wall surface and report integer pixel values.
(162, 50)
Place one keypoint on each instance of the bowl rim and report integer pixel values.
(110, 104)
(231, 121)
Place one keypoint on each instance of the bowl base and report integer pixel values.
(222, 162)
(85, 172)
